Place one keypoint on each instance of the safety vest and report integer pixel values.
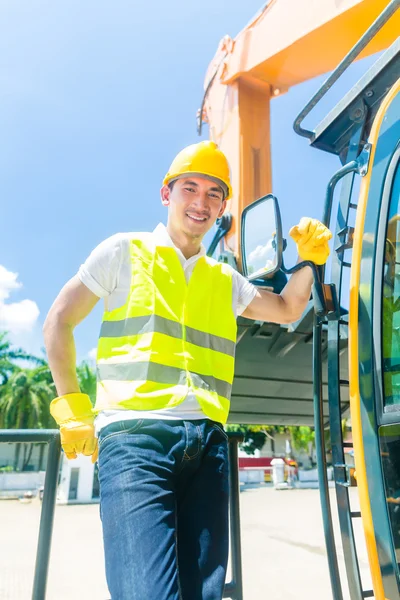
(169, 337)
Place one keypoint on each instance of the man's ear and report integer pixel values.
(165, 193)
(222, 209)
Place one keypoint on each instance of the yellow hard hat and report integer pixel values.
(205, 160)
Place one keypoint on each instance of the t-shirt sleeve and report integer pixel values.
(100, 270)
(244, 292)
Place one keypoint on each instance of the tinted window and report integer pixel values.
(391, 302)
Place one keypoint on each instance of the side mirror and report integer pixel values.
(262, 249)
(261, 239)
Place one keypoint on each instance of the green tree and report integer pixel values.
(8, 356)
(302, 438)
(87, 380)
(255, 436)
(254, 439)
(24, 404)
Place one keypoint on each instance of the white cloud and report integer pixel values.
(263, 257)
(261, 251)
(93, 354)
(15, 317)
(8, 282)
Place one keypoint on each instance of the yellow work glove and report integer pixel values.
(73, 413)
(312, 238)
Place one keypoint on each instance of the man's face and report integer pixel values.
(194, 205)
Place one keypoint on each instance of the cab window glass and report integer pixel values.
(391, 302)
(389, 437)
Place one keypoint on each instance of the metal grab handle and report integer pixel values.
(224, 225)
(323, 294)
(346, 62)
(321, 462)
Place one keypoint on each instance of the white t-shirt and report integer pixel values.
(107, 273)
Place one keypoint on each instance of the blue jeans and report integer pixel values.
(164, 507)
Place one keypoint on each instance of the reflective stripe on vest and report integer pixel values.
(156, 324)
(169, 336)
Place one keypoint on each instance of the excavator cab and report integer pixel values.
(364, 131)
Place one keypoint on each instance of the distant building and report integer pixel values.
(36, 456)
(78, 480)
(79, 483)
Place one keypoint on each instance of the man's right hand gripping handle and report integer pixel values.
(73, 413)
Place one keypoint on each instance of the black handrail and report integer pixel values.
(321, 462)
(224, 225)
(234, 589)
(343, 65)
(51, 437)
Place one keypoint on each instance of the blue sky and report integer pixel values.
(96, 98)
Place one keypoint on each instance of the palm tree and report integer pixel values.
(8, 355)
(24, 403)
(87, 380)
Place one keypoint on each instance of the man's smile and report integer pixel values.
(197, 218)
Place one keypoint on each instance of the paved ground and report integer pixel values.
(283, 548)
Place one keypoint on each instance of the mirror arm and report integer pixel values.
(224, 225)
(324, 294)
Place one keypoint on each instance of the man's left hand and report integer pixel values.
(312, 238)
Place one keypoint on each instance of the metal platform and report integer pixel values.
(273, 376)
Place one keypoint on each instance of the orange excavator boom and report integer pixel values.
(287, 42)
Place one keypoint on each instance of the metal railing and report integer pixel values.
(52, 438)
(371, 32)
(234, 589)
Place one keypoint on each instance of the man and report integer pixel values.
(165, 367)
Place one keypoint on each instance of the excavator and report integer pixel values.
(334, 361)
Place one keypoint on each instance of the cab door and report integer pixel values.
(375, 349)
